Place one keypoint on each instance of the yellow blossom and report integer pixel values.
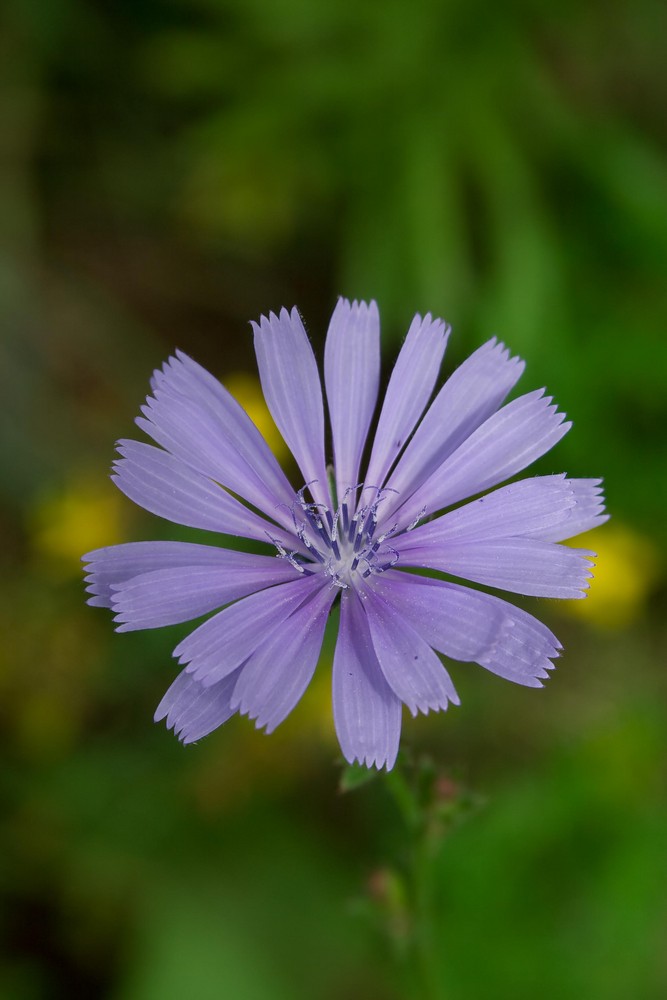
(85, 514)
(626, 569)
(248, 392)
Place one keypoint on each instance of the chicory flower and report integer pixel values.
(360, 533)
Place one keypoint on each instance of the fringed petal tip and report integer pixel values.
(359, 306)
(536, 679)
(423, 706)
(182, 734)
(499, 347)
(267, 324)
(186, 738)
(373, 759)
(263, 723)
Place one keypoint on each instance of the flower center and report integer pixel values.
(344, 544)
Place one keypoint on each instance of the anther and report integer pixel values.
(359, 540)
(318, 555)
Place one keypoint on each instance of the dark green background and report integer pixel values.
(168, 171)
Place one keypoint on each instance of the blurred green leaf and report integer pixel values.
(355, 776)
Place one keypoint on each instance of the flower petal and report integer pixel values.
(541, 507)
(194, 417)
(178, 594)
(352, 376)
(586, 514)
(226, 641)
(511, 439)
(277, 674)
(367, 713)
(468, 625)
(470, 396)
(192, 710)
(162, 484)
(117, 564)
(408, 392)
(292, 389)
(247, 437)
(408, 663)
(523, 565)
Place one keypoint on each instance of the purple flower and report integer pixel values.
(349, 534)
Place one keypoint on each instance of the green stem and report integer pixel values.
(420, 855)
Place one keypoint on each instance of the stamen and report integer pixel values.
(386, 534)
(346, 518)
(416, 520)
(359, 540)
(274, 541)
(303, 489)
(344, 506)
(350, 490)
(282, 553)
(318, 555)
(335, 579)
(344, 542)
(313, 521)
(324, 534)
(386, 566)
(292, 560)
(301, 531)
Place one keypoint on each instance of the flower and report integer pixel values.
(362, 538)
(631, 569)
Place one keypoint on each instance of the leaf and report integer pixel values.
(354, 776)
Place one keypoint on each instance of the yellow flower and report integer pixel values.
(627, 567)
(86, 514)
(247, 391)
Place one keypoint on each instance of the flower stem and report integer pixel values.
(422, 843)
(404, 895)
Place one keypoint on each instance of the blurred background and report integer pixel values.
(169, 169)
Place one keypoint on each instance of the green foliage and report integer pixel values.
(565, 873)
(355, 776)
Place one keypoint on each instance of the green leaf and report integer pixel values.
(354, 776)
